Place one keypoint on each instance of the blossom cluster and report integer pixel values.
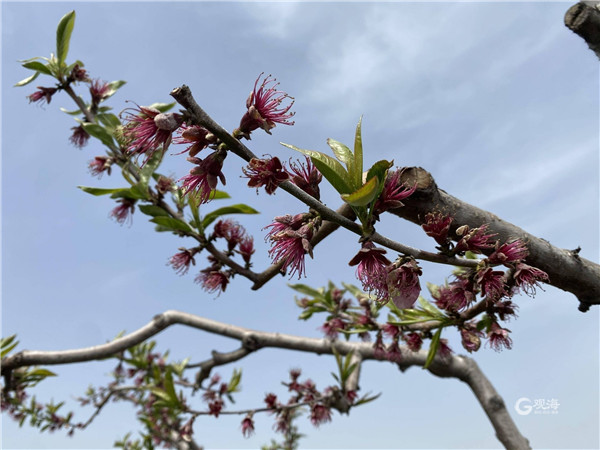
(271, 172)
(397, 281)
(216, 277)
(290, 237)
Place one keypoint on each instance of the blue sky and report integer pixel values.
(499, 101)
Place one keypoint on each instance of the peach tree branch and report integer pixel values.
(183, 96)
(460, 367)
(565, 268)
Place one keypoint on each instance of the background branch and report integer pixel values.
(461, 367)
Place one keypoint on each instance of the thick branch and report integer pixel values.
(583, 18)
(459, 367)
(565, 268)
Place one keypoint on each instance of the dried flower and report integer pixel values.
(471, 337)
(306, 177)
(265, 172)
(181, 261)
(393, 331)
(99, 165)
(372, 269)
(394, 191)
(379, 351)
(527, 278)
(475, 240)
(413, 341)
(165, 184)
(196, 137)
(437, 226)
(498, 337)
(229, 230)
(332, 327)
(403, 282)
(146, 129)
(212, 280)
(271, 401)
(214, 408)
(203, 178)
(509, 252)
(319, 414)
(248, 426)
(99, 90)
(124, 211)
(505, 309)
(455, 296)
(491, 283)
(393, 352)
(246, 248)
(290, 238)
(264, 108)
(80, 137)
(43, 93)
(78, 74)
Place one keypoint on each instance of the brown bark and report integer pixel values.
(583, 18)
(565, 268)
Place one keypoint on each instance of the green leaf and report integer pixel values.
(240, 208)
(109, 120)
(102, 191)
(99, 132)
(27, 80)
(358, 155)
(7, 341)
(38, 67)
(341, 152)
(150, 166)
(135, 192)
(307, 290)
(113, 86)
(236, 377)
(8, 349)
(75, 112)
(162, 107)
(63, 36)
(433, 347)
(71, 66)
(171, 224)
(329, 167)
(41, 373)
(364, 195)
(354, 290)
(432, 310)
(180, 367)
(366, 399)
(306, 314)
(7, 345)
(153, 210)
(161, 393)
(379, 170)
(218, 195)
(170, 387)
(433, 289)
(139, 191)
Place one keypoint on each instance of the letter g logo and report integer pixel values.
(523, 406)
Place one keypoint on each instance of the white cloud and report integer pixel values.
(276, 18)
(542, 175)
